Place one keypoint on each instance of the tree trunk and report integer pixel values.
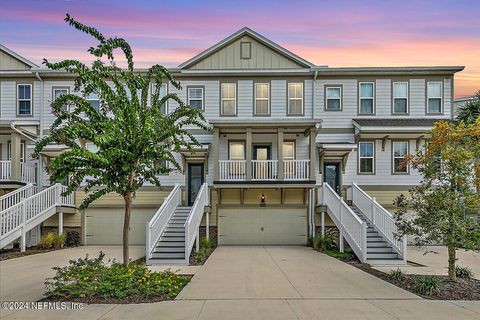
(451, 263)
(126, 227)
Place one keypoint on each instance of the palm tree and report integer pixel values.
(470, 111)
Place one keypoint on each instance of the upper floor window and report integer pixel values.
(366, 157)
(333, 97)
(229, 99)
(91, 147)
(434, 97)
(295, 98)
(366, 96)
(58, 92)
(23, 151)
(24, 99)
(93, 99)
(262, 99)
(236, 150)
(195, 97)
(400, 150)
(162, 93)
(400, 97)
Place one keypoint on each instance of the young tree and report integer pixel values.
(447, 193)
(131, 132)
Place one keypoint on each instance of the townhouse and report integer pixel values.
(294, 147)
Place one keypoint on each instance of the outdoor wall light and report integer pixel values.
(262, 200)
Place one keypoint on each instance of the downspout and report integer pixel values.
(40, 160)
(312, 165)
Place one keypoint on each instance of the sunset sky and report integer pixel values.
(334, 33)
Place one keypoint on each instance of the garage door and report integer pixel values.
(105, 225)
(262, 225)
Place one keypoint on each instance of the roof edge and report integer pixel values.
(18, 57)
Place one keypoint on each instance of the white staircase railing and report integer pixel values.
(160, 219)
(14, 197)
(28, 172)
(23, 216)
(192, 224)
(351, 227)
(381, 219)
(5, 170)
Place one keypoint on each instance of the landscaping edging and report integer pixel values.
(7, 254)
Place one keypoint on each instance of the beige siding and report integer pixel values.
(262, 57)
(7, 62)
(386, 198)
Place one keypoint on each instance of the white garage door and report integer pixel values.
(245, 225)
(105, 225)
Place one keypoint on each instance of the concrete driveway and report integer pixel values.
(22, 279)
(289, 272)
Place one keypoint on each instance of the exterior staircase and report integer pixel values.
(170, 249)
(379, 251)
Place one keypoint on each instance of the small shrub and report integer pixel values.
(397, 275)
(427, 285)
(59, 240)
(206, 243)
(72, 239)
(52, 240)
(201, 254)
(324, 243)
(464, 272)
(93, 279)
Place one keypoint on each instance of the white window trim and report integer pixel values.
(262, 99)
(366, 98)
(372, 157)
(23, 151)
(87, 99)
(60, 89)
(393, 97)
(202, 99)
(440, 97)
(19, 100)
(234, 99)
(290, 98)
(339, 98)
(394, 157)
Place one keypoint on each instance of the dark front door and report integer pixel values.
(331, 175)
(195, 181)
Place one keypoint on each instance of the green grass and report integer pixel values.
(340, 255)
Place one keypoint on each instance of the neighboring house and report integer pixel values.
(460, 102)
(281, 126)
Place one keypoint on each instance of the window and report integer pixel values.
(229, 99)
(262, 97)
(289, 150)
(333, 98)
(162, 93)
(58, 92)
(400, 150)
(366, 157)
(245, 50)
(295, 98)
(434, 97)
(236, 151)
(400, 97)
(93, 99)
(195, 98)
(23, 151)
(366, 97)
(24, 99)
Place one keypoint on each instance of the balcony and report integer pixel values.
(27, 172)
(264, 170)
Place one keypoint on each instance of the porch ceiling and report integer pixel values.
(264, 125)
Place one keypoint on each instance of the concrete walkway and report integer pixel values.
(275, 283)
(436, 262)
(22, 279)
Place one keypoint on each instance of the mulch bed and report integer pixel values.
(193, 260)
(462, 289)
(6, 254)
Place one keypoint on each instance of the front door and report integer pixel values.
(261, 170)
(195, 181)
(331, 175)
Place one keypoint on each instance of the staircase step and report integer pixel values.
(374, 238)
(165, 244)
(174, 233)
(160, 261)
(175, 228)
(377, 244)
(379, 249)
(169, 255)
(170, 249)
(171, 238)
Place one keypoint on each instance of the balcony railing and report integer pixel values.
(264, 170)
(27, 171)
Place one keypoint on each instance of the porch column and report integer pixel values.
(313, 149)
(248, 153)
(215, 147)
(280, 153)
(15, 149)
(60, 222)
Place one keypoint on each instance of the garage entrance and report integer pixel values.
(254, 225)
